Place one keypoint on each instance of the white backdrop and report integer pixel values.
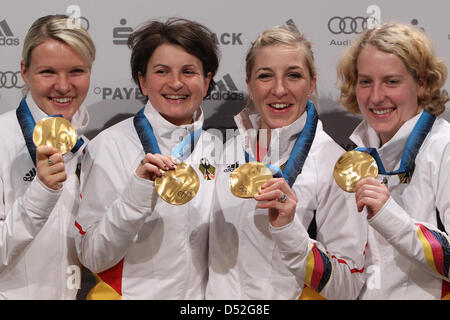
(330, 25)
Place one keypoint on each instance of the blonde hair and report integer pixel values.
(413, 47)
(281, 35)
(60, 28)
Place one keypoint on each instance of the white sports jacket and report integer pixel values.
(140, 246)
(249, 259)
(36, 264)
(408, 257)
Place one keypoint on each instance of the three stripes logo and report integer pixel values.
(6, 35)
(30, 175)
(226, 89)
(231, 167)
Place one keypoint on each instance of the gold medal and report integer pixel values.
(178, 186)
(353, 166)
(246, 180)
(56, 132)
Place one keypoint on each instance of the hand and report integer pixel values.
(50, 167)
(371, 194)
(280, 213)
(152, 164)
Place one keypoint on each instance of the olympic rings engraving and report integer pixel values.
(10, 79)
(347, 25)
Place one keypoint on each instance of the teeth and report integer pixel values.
(175, 97)
(62, 100)
(279, 105)
(382, 111)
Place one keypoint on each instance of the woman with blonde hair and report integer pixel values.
(39, 186)
(392, 77)
(259, 245)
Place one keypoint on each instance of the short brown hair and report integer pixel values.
(193, 37)
(413, 47)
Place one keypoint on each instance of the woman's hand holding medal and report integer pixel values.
(372, 194)
(150, 167)
(50, 167)
(278, 197)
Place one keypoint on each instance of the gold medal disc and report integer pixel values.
(178, 186)
(353, 166)
(246, 180)
(56, 132)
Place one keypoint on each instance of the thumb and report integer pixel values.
(44, 152)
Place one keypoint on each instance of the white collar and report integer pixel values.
(282, 139)
(80, 119)
(392, 151)
(169, 135)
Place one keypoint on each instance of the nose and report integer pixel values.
(62, 84)
(377, 95)
(279, 88)
(175, 82)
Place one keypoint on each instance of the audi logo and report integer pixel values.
(10, 79)
(347, 25)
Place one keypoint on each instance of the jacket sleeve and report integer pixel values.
(420, 241)
(114, 205)
(333, 264)
(24, 219)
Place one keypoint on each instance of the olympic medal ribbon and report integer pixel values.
(180, 185)
(145, 132)
(150, 144)
(302, 146)
(27, 125)
(413, 144)
(276, 171)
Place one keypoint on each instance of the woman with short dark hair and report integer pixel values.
(144, 217)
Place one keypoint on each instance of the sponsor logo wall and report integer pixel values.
(330, 25)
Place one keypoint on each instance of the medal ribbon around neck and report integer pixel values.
(413, 144)
(177, 186)
(150, 144)
(300, 151)
(27, 125)
(246, 180)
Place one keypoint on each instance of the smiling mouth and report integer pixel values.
(61, 100)
(383, 111)
(279, 106)
(175, 96)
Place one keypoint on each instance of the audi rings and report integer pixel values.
(11, 79)
(347, 25)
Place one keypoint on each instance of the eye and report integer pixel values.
(46, 71)
(264, 76)
(393, 82)
(189, 72)
(78, 71)
(364, 82)
(295, 75)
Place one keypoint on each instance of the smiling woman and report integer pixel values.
(392, 76)
(174, 83)
(152, 210)
(37, 246)
(259, 244)
(61, 86)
